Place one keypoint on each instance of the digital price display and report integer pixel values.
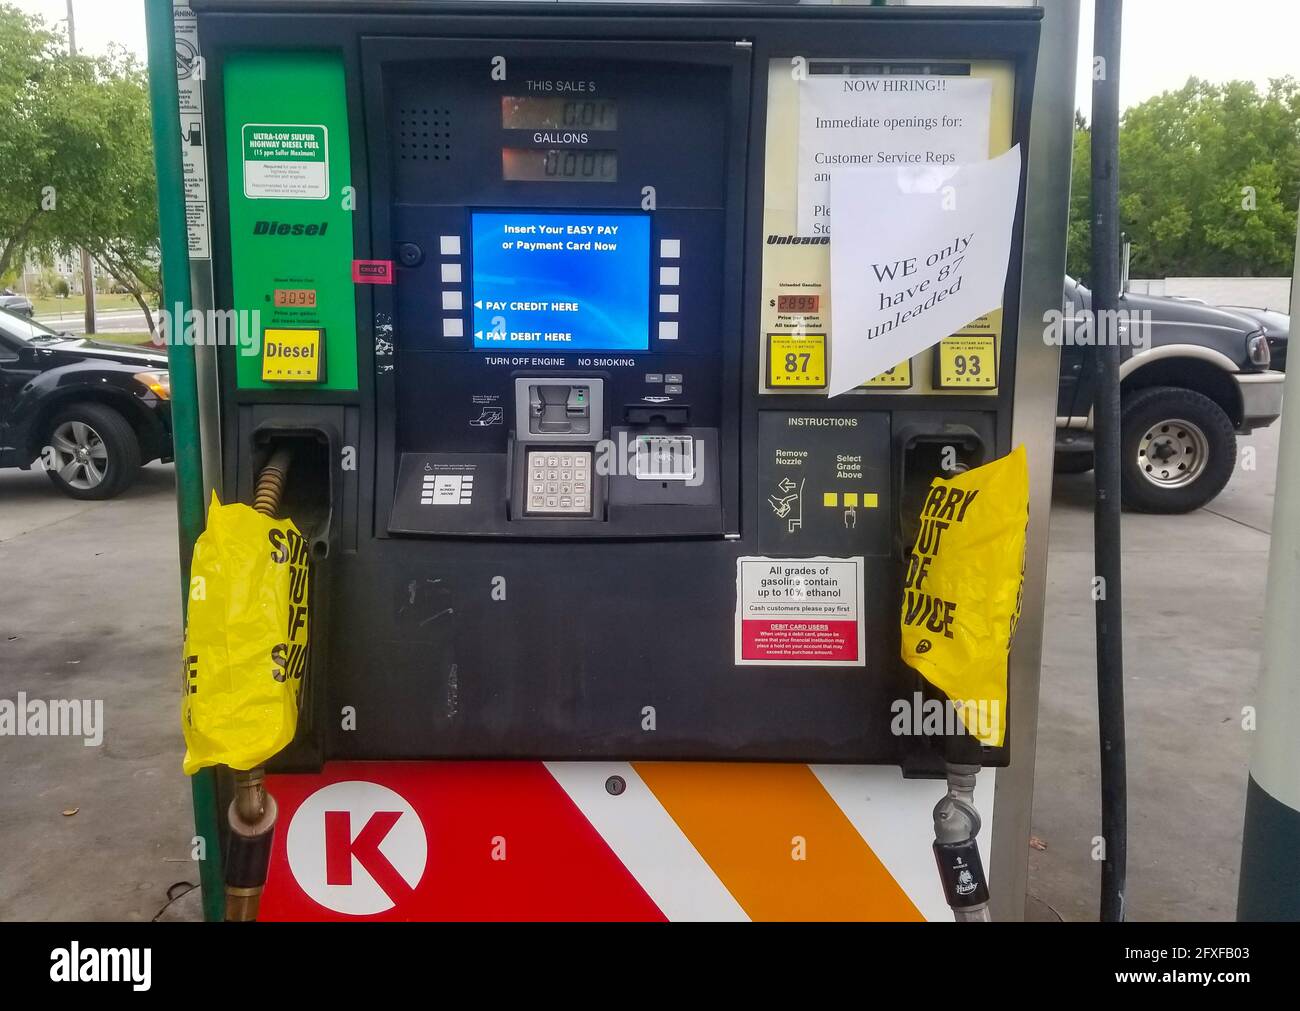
(560, 281)
(295, 298)
(797, 303)
(562, 165)
(538, 112)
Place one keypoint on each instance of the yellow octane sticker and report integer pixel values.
(292, 356)
(968, 362)
(899, 377)
(796, 360)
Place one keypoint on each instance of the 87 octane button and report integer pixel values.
(796, 361)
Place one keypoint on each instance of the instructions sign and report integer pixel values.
(825, 483)
(923, 121)
(286, 162)
(919, 253)
(800, 612)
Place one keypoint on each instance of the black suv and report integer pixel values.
(1198, 377)
(90, 413)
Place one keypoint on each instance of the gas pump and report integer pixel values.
(605, 588)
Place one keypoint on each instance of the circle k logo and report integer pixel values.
(357, 848)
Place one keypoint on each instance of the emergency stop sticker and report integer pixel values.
(800, 612)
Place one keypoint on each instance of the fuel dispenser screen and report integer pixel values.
(561, 281)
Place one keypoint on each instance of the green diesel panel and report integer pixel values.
(288, 153)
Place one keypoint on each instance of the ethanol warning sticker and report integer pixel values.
(800, 612)
(286, 162)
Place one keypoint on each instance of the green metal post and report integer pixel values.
(184, 388)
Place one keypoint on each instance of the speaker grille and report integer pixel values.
(423, 133)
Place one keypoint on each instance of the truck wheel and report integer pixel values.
(91, 452)
(1177, 450)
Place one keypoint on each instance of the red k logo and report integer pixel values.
(357, 848)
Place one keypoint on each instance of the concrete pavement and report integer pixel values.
(1193, 616)
(90, 609)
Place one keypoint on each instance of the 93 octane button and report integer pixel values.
(968, 361)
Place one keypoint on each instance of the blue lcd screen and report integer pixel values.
(555, 281)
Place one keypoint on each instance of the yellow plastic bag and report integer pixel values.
(246, 640)
(962, 591)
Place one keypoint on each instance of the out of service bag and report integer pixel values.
(962, 591)
(246, 639)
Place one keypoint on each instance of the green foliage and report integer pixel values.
(28, 53)
(1209, 182)
(76, 164)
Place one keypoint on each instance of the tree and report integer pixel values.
(28, 54)
(1209, 181)
(76, 165)
(1079, 232)
(115, 215)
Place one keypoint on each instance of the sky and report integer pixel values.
(1165, 41)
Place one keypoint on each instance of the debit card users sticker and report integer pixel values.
(800, 612)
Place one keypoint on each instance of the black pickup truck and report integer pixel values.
(1193, 378)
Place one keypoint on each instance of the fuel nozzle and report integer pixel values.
(252, 813)
(956, 850)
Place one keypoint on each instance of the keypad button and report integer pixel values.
(560, 483)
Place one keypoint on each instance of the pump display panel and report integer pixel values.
(569, 281)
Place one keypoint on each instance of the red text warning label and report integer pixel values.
(802, 612)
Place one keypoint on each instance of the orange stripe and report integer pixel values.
(746, 821)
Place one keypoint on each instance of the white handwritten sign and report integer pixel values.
(919, 252)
